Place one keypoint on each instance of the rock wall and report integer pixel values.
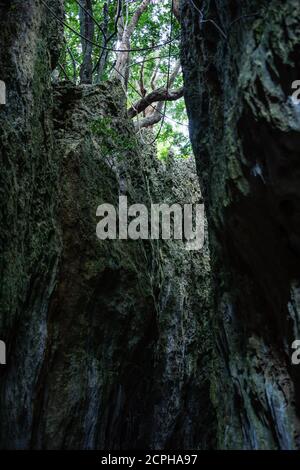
(29, 237)
(239, 62)
(109, 342)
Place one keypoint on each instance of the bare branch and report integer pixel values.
(141, 81)
(73, 60)
(161, 94)
(63, 71)
(158, 96)
(154, 75)
(101, 62)
(174, 73)
(151, 119)
(117, 17)
(136, 16)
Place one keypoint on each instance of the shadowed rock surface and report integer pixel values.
(245, 131)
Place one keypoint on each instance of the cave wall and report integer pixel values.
(239, 61)
(108, 342)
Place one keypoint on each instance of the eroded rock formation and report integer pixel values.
(239, 62)
(109, 343)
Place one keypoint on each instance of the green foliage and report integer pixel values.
(102, 127)
(173, 140)
(153, 28)
(112, 139)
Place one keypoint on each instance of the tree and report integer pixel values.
(134, 41)
(126, 29)
(87, 31)
(158, 96)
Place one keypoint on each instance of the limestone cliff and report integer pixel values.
(239, 62)
(109, 342)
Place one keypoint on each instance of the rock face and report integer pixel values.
(28, 180)
(109, 342)
(245, 128)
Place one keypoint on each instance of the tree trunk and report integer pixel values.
(104, 53)
(121, 70)
(87, 30)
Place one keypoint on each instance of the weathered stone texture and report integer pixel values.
(245, 131)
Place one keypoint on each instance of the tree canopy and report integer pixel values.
(136, 42)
